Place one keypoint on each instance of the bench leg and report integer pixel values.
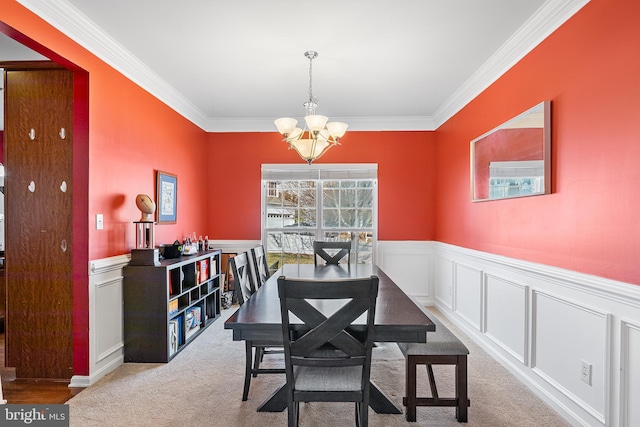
(410, 388)
(461, 389)
(432, 383)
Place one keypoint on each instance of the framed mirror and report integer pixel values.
(514, 159)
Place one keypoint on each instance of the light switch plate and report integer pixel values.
(99, 222)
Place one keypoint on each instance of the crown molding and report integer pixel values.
(74, 24)
(70, 21)
(355, 124)
(538, 27)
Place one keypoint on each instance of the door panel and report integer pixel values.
(38, 199)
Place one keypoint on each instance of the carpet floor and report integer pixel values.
(202, 386)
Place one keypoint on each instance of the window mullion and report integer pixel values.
(319, 209)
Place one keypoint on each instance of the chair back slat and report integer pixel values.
(244, 284)
(331, 252)
(327, 340)
(260, 267)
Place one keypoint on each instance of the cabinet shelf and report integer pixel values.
(167, 306)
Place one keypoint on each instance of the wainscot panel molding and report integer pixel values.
(106, 341)
(544, 324)
(630, 373)
(567, 334)
(409, 264)
(506, 317)
(233, 246)
(467, 293)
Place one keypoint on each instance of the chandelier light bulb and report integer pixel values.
(316, 123)
(286, 125)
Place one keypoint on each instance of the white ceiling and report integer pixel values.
(238, 65)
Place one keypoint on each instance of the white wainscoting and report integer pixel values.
(630, 373)
(409, 264)
(506, 317)
(106, 340)
(542, 323)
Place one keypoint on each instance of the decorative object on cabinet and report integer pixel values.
(144, 226)
(173, 250)
(166, 198)
(514, 159)
(167, 306)
(147, 207)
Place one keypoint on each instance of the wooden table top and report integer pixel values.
(398, 318)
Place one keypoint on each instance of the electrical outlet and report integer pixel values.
(99, 222)
(585, 372)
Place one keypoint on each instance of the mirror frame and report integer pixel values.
(545, 141)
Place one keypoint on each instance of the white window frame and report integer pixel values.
(320, 172)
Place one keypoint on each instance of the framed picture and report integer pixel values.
(166, 198)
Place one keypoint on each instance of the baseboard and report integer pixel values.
(84, 381)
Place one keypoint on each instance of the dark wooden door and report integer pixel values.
(38, 199)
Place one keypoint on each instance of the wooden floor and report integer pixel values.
(32, 391)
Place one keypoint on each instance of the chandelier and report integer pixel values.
(318, 136)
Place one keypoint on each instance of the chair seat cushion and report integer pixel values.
(312, 378)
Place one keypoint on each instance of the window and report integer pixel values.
(272, 189)
(318, 202)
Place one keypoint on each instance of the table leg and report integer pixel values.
(277, 402)
(378, 401)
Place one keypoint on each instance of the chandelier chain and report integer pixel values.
(312, 103)
(311, 79)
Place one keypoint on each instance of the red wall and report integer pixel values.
(590, 223)
(131, 134)
(405, 179)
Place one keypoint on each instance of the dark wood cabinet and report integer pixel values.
(167, 306)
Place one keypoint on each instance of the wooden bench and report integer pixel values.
(442, 348)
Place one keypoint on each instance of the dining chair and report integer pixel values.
(331, 252)
(243, 279)
(326, 360)
(244, 286)
(260, 267)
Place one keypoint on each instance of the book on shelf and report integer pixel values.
(204, 270)
(174, 334)
(180, 322)
(191, 331)
(193, 316)
(173, 307)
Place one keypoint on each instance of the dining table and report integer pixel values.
(397, 319)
